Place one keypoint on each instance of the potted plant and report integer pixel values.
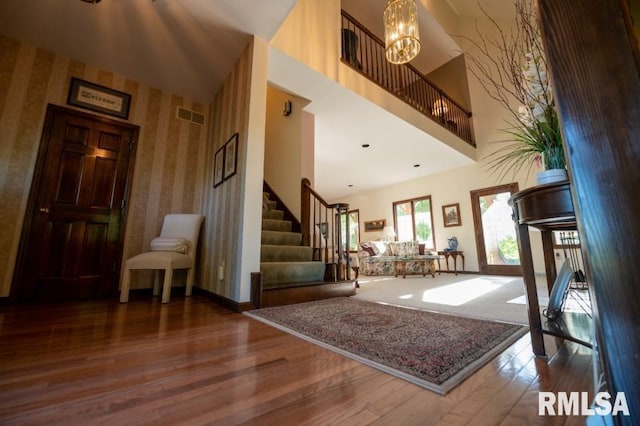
(512, 69)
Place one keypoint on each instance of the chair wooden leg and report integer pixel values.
(189, 281)
(126, 282)
(166, 287)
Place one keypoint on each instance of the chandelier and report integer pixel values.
(401, 36)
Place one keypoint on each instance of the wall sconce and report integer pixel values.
(287, 108)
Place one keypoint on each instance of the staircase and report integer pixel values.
(289, 275)
(283, 260)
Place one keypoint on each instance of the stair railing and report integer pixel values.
(322, 230)
(364, 52)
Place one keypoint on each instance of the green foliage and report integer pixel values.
(423, 231)
(540, 141)
(508, 247)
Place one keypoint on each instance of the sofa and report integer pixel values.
(378, 258)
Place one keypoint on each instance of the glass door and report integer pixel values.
(495, 231)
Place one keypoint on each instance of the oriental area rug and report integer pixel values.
(432, 350)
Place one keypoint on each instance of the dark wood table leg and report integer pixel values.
(455, 263)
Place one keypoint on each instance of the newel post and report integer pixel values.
(305, 210)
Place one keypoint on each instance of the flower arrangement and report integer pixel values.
(512, 69)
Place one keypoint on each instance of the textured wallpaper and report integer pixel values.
(170, 161)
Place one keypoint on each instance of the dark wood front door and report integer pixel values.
(72, 239)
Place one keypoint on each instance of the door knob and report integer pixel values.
(44, 210)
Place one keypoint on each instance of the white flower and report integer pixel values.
(536, 88)
(525, 115)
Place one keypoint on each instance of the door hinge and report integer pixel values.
(131, 142)
(123, 203)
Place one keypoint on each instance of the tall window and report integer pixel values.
(354, 229)
(413, 221)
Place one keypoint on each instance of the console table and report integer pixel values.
(548, 208)
(454, 254)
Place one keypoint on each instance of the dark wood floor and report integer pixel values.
(194, 362)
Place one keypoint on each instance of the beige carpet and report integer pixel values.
(489, 297)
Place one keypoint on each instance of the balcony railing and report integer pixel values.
(364, 52)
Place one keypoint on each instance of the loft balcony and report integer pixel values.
(364, 52)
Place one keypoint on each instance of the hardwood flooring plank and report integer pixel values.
(194, 362)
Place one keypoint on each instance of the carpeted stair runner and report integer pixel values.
(283, 261)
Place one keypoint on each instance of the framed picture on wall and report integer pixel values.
(230, 156)
(218, 167)
(374, 225)
(94, 97)
(451, 215)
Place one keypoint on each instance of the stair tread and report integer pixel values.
(286, 245)
(276, 225)
(305, 284)
(275, 233)
(285, 253)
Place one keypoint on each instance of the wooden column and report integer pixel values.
(595, 69)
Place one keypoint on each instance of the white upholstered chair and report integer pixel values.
(174, 249)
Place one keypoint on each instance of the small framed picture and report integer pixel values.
(374, 225)
(218, 167)
(230, 156)
(451, 215)
(91, 96)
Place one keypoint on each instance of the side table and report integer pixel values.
(454, 255)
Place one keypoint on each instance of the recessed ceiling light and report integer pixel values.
(365, 145)
(416, 165)
(350, 186)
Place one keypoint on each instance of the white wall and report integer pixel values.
(286, 147)
(445, 188)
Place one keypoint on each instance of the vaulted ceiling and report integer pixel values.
(188, 47)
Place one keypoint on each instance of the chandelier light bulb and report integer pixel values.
(402, 37)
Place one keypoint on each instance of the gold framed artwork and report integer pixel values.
(451, 215)
(374, 225)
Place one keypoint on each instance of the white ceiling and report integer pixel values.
(345, 121)
(188, 47)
